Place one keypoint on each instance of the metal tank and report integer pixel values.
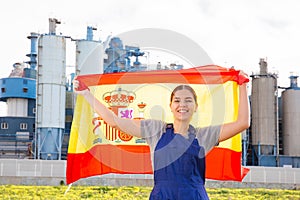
(291, 119)
(89, 55)
(51, 93)
(264, 112)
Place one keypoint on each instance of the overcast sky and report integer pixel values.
(232, 32)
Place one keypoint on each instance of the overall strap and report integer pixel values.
(169, 129)
(169, 126)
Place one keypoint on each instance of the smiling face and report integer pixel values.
(183, 104)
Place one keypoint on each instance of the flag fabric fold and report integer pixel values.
(95, 148)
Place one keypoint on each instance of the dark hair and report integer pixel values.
(184, 87)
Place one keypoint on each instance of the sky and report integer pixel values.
(232, 32)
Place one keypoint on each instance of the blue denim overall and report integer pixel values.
(179, 168)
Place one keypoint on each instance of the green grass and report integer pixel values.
(14, 192)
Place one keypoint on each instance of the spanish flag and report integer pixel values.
(95, 148)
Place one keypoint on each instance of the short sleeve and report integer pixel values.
(151, 131)
(208, 137)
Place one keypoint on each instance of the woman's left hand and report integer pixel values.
(245, 77)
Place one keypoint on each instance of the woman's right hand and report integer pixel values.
(79, 87)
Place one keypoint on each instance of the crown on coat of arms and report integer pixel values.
(119, 97)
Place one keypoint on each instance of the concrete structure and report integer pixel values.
(89, 55)
(51, 93)
(53, 172)
(291, 119)
(264, 111)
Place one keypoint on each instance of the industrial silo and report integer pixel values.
(22, 84)
(291, 119)
(264, 129)
(51, 93)
(89, 55)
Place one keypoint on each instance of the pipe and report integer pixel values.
(33, 50)
(89, 34)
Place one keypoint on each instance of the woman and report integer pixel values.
(178, 149)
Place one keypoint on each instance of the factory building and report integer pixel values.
(40, 101)
(274, 131)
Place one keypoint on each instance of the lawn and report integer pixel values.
(17, 192)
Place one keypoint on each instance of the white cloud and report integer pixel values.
(233, 32)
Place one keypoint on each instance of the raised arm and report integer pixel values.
(129, 126)
(243, 120)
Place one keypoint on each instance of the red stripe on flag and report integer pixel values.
(211, 74)
(103, 159)
(224, 164)
(221, 163)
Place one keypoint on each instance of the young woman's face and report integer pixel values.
(183, 105)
